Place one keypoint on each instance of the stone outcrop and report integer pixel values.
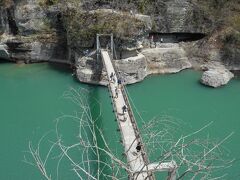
(34, 34)
(175, 14)
(39, 30)
(89, 70)
(168, 59)
(131, 70)
(216, 75)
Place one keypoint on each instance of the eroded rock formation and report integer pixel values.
(215, 75)
(45, 30)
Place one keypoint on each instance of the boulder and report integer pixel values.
(132, 69)
(89, 70)
(216, 77)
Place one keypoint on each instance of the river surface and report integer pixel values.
(31, 99)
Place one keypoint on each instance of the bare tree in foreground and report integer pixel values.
(195, 157)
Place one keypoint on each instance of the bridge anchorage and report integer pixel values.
(137, 159)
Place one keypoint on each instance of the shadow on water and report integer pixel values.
(236, 74)
(104, 121)
(95, 108)
(3, 61)
(63, 68)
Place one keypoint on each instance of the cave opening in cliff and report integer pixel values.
(175, 37)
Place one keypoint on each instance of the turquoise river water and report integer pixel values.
(31, 99)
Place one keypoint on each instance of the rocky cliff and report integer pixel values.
(32, 32)
(63, 31)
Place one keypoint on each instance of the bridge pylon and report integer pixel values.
(99, 47)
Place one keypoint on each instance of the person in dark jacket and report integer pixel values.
(124, 109)
(119, 81)
(138, 147)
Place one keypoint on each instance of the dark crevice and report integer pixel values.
(11, 22)
(60, 50)
(176, 37)
(236, 73)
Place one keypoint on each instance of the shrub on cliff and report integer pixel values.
(82, 26)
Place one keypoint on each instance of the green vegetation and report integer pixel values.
(83, 26)
(234, 22)
(142, 5)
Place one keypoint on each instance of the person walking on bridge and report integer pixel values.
(138, 147)
(124, 109)
(116, 92)
(112, 79)
(119, 81)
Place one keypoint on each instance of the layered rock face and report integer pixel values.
(170, 58)
(42, 24)
(33, 33)
(176, 16)
(43, 30)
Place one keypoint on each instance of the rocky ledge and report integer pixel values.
(216, 76)
(131, 70)
(160, 60)
(166, 58)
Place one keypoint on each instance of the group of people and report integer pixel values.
(154, 41)
(119, 84)
(124, 108)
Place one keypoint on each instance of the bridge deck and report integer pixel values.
(130, 138)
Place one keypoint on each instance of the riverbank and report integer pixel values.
(165, 58)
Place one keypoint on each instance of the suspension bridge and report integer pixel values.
(137, 159)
